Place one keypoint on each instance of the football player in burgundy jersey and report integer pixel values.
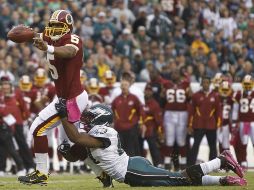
(245, 100)
(65, 58)
(175, 119)
(226, 99)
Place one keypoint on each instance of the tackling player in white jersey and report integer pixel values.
(104, 148)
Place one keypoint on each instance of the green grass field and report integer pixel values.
(87, 182)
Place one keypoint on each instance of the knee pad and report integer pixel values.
(195, 173)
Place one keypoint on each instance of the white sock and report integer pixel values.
(96, 169)
(211, 166)
(167, 160)
(183, 160)
(211, 180)
(41, 161)
(61, 163)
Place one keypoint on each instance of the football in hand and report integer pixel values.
(20, 34)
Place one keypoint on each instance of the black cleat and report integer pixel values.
(35, 177)
(106, 180)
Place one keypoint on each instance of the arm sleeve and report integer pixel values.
(73, 41)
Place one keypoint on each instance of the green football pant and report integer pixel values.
(140, 172)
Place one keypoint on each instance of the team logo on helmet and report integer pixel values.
(109, 78)
(93, 86)
(247, 83)
(40, 77)
(99, 114)
(225, 89)
(217, 80)
(25, 83)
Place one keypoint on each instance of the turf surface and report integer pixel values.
(88, 182)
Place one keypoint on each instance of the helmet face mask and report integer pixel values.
(60, 23)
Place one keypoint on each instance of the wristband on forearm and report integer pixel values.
(51, 49)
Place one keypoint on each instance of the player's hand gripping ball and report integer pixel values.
(20, 34)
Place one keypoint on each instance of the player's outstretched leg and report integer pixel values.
(224, 161)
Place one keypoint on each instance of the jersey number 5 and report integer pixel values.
(52, 68)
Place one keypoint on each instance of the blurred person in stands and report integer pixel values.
(204, 119)
(137, 63)
(141, 36)
(212, 65)
(246, 69)
(226, 22)
(101, 62)
(128, 116)
(198, 43)
(158, 25)
(126, 43)
(90, 69)
(107, 38)
(177, 94)
(140, 20)
(102, 24)
(87, 30)
(121, 9)
(245, 116)
(14, 112)
(153, 123)
(144, 73)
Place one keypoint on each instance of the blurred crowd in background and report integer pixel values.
(205, 36)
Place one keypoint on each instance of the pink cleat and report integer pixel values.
(228, 162)
(236, 181)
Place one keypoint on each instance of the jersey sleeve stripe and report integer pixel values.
(72, 45)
